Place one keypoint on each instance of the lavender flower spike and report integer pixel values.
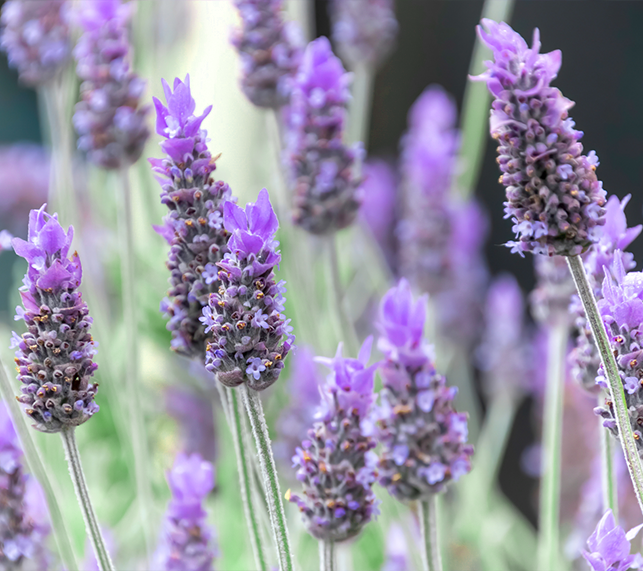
(423, 437)
(36, 37)
(194, 226)
(336, 463)
(109, 120)
(250, 337)
(187, 542)
(609, 547)
(553, 196)
(326, 193)
(55, 355)
(270, 52)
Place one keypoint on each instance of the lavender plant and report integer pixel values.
(609, 547)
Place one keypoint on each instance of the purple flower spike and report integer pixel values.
(326, 194)
(249, 335)
(55, 355)
(187, 541)
(423, 437)
(109, 120)
(364, 30)
(553, 196)
(270, 52)
(194, 226)
(36, 37)
(609, 547)
(336, 463)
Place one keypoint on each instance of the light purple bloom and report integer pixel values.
(609, 547)
(397, 550)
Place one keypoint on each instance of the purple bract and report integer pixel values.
(609, 547)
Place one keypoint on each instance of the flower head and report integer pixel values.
(609, 547)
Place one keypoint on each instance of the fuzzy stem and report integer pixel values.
(37, 468)
(548, 522)
(360, 107)
(136, 415)
(254, 409)
(244, 464)
(103, 559)
(617, 392)
(327, 560)
(429, 528)
(608, 478)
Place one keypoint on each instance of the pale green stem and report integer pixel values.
(327, 559)
(475, 106)
(549, 515)
(617, 392)
(303, 12)
(103, 559)
(132, 377)
(429, 528)
(254, 409)
(360, 106)
(37, 468)
(608, 477)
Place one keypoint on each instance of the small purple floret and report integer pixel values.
(609, 547)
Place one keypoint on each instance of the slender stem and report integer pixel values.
(244, 464)
(37, 468)
(429, 528)
(360, 107)
(136, 416)
(327, 560)
(270, 478)
(608, 477)
(548, 523)
(68, 436)
(617, 392)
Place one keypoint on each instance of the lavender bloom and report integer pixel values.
(397, 550)
(5, 240)
(35, 36)
(108, 119)
(609, 547)
(554, 289)
(55, 355)
(194, 226)
(364, 30)
(187, 541)
(245, 317)
(423, 437)
(336, 463)
(553, 196)
(270, 52)
(326, 194)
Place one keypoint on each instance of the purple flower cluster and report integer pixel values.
(336, 463)
(250, 337)
(187, 542)
(423, 437)
(609, 547)
(36, 37)
(270, 52)
(194, 226)
(553, 196)
(109, 120)
(364, 30)
(55, 355)
(326, 193)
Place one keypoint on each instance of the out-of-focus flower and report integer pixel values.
(397, 550)
(55, 355)
(249, 335)
(609, 547)
(35, 36)
(109, 120)
(554, 289)
(5, 240)
(336, 463)
(553, 196)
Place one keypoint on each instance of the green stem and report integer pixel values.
(617, 392)
(548, 522)
(608, 478)
(37, 468)
(68, 436)
(327, 560)
(244, 464)
(270, 478)
(429, 528)
(360, 107)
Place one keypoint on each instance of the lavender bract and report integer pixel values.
(36, 37)
(250, 337)
(194, 226)
(270, 52)
(326, 191)
(609, 547)
(423, 437)
(553, 196)
(109, 120)
(55, 355)
(336, 463)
